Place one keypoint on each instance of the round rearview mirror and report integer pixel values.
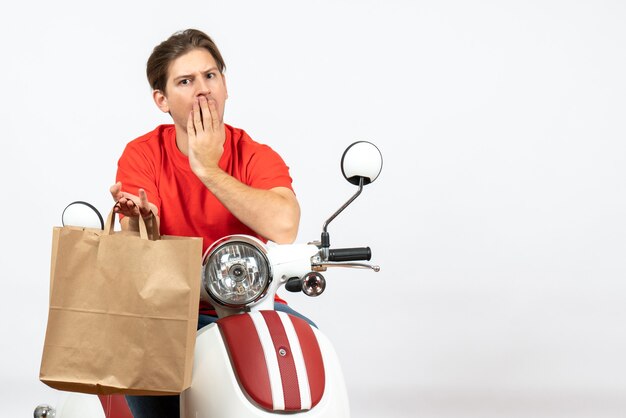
(362, 159)
(82, 214)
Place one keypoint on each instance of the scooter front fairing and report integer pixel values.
(264, 386)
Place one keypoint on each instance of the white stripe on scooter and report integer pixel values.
(276, 384)
(298, 359)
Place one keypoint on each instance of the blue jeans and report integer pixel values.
(169, 406)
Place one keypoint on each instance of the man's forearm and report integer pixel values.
(273, 214)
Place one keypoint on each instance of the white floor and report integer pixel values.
(18, 399)
(481, 405)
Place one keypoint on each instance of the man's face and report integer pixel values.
(190, 76)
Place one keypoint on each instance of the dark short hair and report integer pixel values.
(175, 46)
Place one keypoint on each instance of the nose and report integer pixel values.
(203, 88)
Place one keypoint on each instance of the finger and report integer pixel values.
(144, 205)
(191, 130)
(132, 208)
(207, 121)
(215, 119)
(197, 118)
(115, 190)
(121, 204)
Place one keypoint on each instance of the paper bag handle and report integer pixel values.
(143, 230)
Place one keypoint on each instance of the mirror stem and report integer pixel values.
(325, 236)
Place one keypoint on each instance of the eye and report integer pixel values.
(184, 82)
(210, 75)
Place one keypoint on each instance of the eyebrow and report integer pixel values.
(183, 76)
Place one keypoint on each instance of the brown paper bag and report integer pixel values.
(123, 311)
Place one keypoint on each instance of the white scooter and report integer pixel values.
(267, 363)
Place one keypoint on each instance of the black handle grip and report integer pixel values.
(294, 284)
(350, 254)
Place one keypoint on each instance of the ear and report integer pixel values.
(161, 100)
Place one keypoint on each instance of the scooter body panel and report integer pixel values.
(216, 392)
(79, 405)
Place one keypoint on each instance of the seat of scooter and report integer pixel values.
(276, 358)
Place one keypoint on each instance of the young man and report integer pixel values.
(219, 162)
(200, 177)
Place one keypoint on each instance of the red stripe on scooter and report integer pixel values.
(312, 358)
(115, 406)
(288, 375)
(246, 354)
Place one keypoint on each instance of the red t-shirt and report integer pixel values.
(186, 207)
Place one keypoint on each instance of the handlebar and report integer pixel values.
(350, 254)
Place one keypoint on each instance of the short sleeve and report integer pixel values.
(266, 169)
(136, 169)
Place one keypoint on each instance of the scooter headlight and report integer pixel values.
(236, 270)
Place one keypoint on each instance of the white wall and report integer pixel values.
(499, 218)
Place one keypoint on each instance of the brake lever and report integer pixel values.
(324, 266)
